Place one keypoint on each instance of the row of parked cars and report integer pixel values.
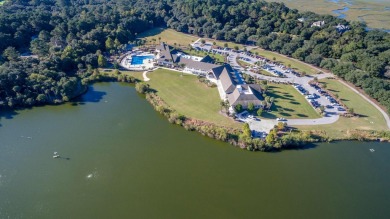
(301, 89)
(333, 101)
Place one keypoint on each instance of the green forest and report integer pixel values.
(48, 46)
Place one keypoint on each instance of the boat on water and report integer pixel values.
(56, 156)
(372, 150)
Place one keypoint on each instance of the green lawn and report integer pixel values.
(266, 73)
(189, 97)
(295, 64)
(243, 63)
(168, 36)
(289, 103)
(370, 118)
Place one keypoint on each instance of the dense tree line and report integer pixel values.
(48, 46)
(69, 38)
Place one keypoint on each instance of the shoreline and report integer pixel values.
(232, 134)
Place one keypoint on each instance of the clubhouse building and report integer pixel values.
(230, 85)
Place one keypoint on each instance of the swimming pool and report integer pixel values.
(139, 60)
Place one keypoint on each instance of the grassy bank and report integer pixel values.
(188, 96)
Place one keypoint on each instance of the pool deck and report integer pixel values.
(147, 63)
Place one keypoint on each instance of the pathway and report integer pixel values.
(145, 77)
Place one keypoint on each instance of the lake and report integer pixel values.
(121, 159)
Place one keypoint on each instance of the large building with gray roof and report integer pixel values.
(229, 82)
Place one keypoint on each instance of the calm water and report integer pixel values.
(126, 161)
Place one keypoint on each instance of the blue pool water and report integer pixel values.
(139, 60)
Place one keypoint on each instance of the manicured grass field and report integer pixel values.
(189, 97)
(168, 36)
(295, 64)
(370, 118)
(289, 104)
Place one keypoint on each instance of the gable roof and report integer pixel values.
(208, 59)
(166, 52)
(227, 76)
(245, 94)
(204, 66)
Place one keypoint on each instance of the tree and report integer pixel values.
(236, 47)
(281, 126)
(11, 54)
(322, 109)
(203, 41)
(109, 44)
(222, 104)
(226, 45)
(351, 111)
(142, 87)
(251, 107)
(102, 61)
(39, 47)
(271, 137)
(246, 131)
(238, 108)
(227, 106)
(259, 112)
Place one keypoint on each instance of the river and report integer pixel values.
(121, 159)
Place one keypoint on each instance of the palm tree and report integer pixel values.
(227, 106)
(222, 104)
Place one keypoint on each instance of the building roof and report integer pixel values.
(204, 66)
(245, 94)
(166, 53)
(227, 76)
(208, 59)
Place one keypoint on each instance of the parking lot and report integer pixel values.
(315, 96)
